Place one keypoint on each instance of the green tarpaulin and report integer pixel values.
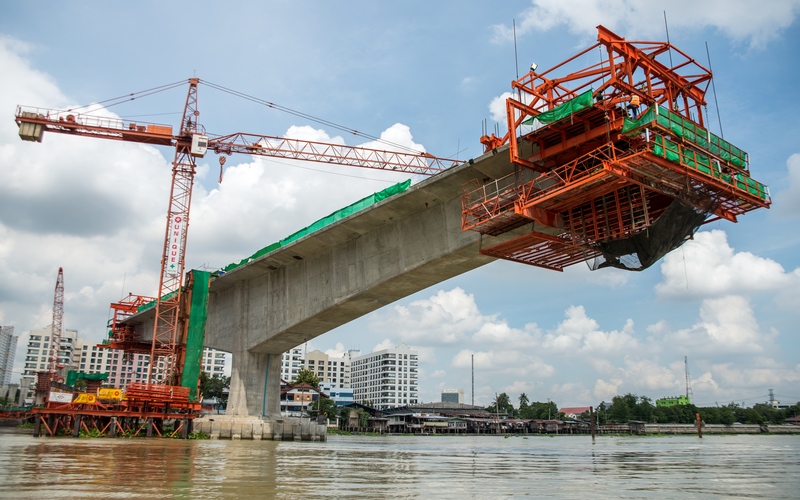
(564, 110)
(196, 333)
(73, 376)
(326, 221)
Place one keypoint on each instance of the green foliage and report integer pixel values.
(502, 404)
(93, 433)
(198, 435)
(325, 406)
(523, 401)
(540, 411)
(307, 376)
(26, 425)
(213, 387)
(632, 407)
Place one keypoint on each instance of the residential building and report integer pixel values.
(37, 357)
(291, 364)
(453, 396)
(297, 399)
(342, 396)
(386, 378)
(8, 350)
(123, 368)
(333, 370)
(215, 363)
(83, 355)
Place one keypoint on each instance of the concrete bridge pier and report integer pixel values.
(255, 376)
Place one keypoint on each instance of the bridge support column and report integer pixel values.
(255, 385)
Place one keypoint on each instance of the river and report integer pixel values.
(401, 467)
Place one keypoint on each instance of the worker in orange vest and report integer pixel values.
(633, 105)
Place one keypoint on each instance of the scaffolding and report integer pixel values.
(613, 162)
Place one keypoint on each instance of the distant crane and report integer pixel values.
(44, 378)
(192, 142)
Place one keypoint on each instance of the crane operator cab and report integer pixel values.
(199, 145)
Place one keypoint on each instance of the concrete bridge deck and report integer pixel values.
(350, 268)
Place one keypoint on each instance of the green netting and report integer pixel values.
(326, 221)
(679, 126)
(147, 306)
(697, 161)
(195, 337)
(73, 376)
(564, 110)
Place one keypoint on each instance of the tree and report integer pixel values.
(523, 401)
(502, 405)
(307, 376)
(325, 406)
(214, 387)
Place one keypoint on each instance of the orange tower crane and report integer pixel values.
(614, 161)
(192, 142)
(53, 366)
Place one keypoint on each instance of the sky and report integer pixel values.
(424, 75)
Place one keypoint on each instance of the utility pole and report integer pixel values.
(473, 379)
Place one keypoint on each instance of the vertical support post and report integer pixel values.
(149, 427)
(591, 419)
(113, 431)
(76, 426)
(699, 426)
(37, 426)
(185, 428)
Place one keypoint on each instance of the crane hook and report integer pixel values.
(221, 163)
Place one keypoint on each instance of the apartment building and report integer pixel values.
(291, 364)
(83, 355)
(37, 357)
(8, 350)
(335, 371)
(386, 378)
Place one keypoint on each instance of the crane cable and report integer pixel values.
(108, 103)
(307, 116)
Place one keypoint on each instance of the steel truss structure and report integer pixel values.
(602, 152)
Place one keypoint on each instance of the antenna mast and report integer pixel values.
(688, 379)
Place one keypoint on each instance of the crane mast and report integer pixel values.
(168, 301)
(191, 142)
(58, 317)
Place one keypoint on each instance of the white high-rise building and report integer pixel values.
(8, 350)
(386, 378)
(291, 364)
(86, 356)
(215, 363)
(38, 354)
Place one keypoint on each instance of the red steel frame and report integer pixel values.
(594, 183)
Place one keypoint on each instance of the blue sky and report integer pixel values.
(415, 73)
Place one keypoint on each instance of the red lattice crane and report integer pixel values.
(191, 142)
(614, 161)
(53, 366)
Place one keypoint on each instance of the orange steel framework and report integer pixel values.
(191, 142)
(141, 410)
(592, 176)
(43, 378)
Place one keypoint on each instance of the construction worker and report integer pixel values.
(633, 106)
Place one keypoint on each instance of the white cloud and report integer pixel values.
(386, 344)
(727, 325)
(445, 318)
(580, 333)
(707, 266)
(337, 352)
(787, 201)
(741, 20)
(497, 108)
(606, 390)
